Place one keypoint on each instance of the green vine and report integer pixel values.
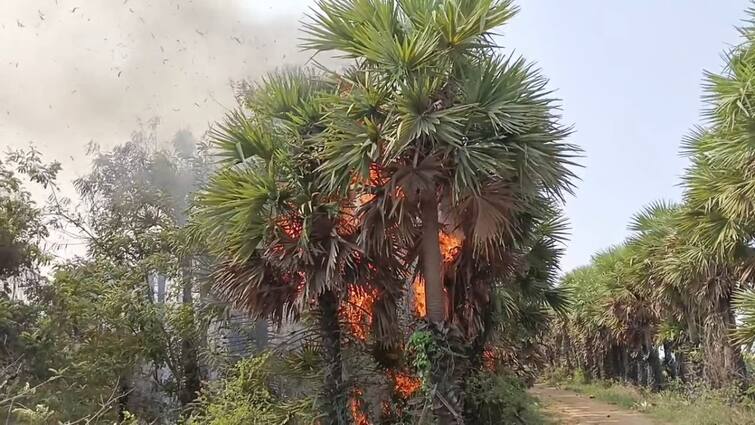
(423, 347)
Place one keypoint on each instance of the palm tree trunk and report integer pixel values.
(587, 370)
(654, 364)
(636, 370)
(723, 361)
(567, 349)
(124, 390)
(336, 398)
(669, 360)
(447, 403)
(261, 335)
(432, 262)
(190, 364)
(642, 371)
(624, 363)
(683, 367)
(614, 370)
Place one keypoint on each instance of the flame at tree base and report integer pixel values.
(418, 291)
(356, 405)
(404, 384)
(489, 359)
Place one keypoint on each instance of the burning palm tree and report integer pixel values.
(468, 140)
(283, 242)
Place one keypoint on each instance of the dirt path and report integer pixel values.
(578, 409)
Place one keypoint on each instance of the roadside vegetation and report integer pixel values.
(674, 405)
(663, 321)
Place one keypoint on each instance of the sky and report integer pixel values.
(628, 73)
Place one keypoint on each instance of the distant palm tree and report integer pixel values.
(720, 193)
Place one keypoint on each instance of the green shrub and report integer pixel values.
(557, 376)
(246, 397)
(499, 399)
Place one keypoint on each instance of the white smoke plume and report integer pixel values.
(75, 71)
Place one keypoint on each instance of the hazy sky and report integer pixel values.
(74, 71)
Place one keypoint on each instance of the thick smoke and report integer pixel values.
(75, 71)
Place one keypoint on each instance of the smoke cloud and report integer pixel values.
(75, 71)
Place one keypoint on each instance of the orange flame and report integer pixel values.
(348, 221)
(450, 247)
(357, 312)
(405, 384)
(489, 359)
(418, 290)
(357, 408)
(365, 198)
(291, 225)
(377, 176)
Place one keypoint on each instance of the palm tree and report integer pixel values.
(655, 245)
(286, 246)
(720, 194)
(581, 342)
(613, 319)
(523, 306)
(466, 141)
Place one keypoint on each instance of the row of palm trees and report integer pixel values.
(683, 281)
(430, 166)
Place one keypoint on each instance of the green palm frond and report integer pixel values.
(465, 23)
(236, 210)
(654, 216)
(342, 25)
(507, 91)
(419, 12)
(240, 138)
(744, 303)
(400, 56)
(293, 98)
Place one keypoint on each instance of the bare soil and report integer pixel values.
(569, 408)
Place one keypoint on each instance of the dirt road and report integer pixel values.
(577, 409)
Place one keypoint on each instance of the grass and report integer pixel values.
(674, 406)
(619, 395)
